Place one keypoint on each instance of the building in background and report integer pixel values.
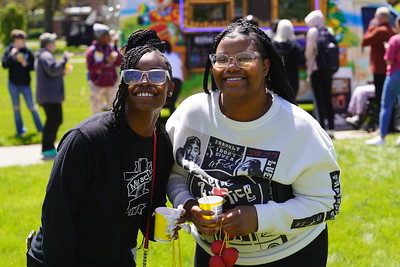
(78, 20)
(191, 25)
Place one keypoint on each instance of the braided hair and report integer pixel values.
(139, 43)
(276, 80)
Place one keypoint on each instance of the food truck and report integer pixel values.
(191, 25)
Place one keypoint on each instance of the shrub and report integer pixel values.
(34, 33)
(12, 17)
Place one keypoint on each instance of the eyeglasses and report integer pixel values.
(243, 59)
(133, 76)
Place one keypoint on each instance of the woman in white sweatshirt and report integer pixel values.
(271, 161)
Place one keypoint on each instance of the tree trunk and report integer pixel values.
(50, 6)
(48, 18)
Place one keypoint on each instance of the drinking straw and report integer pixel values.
(206, 200)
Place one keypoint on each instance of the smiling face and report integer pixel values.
(234, 82)
(146, 96)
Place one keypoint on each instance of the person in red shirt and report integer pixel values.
(102, 60)
(378, 33)
(391, 88)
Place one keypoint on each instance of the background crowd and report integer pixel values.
(103, 61)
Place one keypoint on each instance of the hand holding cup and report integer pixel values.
(212, 203)
(168, 222)
(14, 51)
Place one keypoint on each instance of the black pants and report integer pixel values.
(314, 254)
(379, 80)
(53, 121)
(322, 87)
(125, 262)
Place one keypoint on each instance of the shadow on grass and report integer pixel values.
(17, 140)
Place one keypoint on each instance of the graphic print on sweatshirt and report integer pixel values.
(240, 174)
(137, 183)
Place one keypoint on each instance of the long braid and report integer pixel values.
(276, 79)
(212, 50)
(138, 44)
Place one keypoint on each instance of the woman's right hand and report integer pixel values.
(195, 214)
(14, 51)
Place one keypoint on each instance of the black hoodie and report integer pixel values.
(98, 194)
(293, 57)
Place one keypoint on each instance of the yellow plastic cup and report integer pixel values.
(213, 203)
(68, 68)
(161, 233)
(20, 57)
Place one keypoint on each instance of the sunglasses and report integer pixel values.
(19, 36)
(243, 59)
(134, 76)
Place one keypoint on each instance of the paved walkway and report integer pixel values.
(20, 155)
(30, 154)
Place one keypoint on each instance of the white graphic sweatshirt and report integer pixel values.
(283, 163)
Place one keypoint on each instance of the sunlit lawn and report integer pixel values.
(364, 234)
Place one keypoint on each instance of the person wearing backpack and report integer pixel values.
(322, 61)
(286, 44)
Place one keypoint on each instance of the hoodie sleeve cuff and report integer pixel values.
(265, 218)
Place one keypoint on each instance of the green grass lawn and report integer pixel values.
(364, 234)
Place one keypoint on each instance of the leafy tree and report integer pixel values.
(12, 17)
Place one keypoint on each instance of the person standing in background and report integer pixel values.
(272, 29)
(379, 31)
(50, 89)
(391, 87)
(177, 73)
(285, 43)
(20, 62)
(321, 82)
(102, 59)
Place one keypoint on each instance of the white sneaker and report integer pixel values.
(398, 141)
(353, 120)
(376, 141)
